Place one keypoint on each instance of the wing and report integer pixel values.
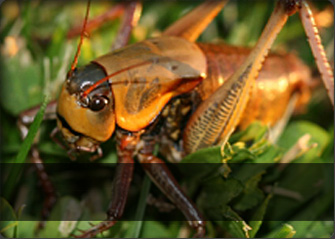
(157, 70)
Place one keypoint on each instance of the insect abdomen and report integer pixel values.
(280, 76)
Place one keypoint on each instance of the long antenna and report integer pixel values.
(106, 78)
(75, 60)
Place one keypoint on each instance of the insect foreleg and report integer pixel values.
(121, 184)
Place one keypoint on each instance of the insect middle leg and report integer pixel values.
(127, 146)
(165, 181)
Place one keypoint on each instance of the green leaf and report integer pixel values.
(202, 163)
(312, 211)
(296, 130)
(237, 153)
(243, 173)
(257, 219)
(216, 193)
(328, 153)
(27, 228)
(254, 131)
(286, 231)
(9, 221)
(236, 226)
(21, 87)
(207, 155)
(251, 195)
(317, 229)
(153, 229)
(308, 181)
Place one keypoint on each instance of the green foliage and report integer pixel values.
(9, 226)
(286, 231)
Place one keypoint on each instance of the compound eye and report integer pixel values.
(98, 103)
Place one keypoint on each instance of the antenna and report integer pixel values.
(75, 60)
(106, 78)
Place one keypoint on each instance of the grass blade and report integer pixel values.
(137, 226)
(15, 170)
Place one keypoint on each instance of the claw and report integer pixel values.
(96, 229)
